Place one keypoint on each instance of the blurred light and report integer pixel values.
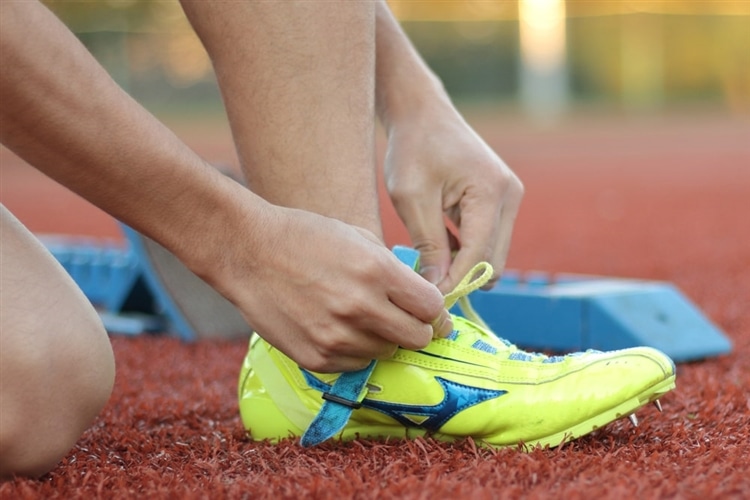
(642, 62)
(544, 85)
(542, 32)
(186, 60)
(453, 10)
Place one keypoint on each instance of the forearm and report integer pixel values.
(405, 85)
(63, 114)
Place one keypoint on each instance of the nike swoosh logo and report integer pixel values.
(458, 397)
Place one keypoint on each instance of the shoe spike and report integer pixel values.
(658, 405)
(633, 420)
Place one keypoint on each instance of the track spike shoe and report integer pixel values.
(470, 384)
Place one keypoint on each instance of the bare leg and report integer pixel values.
(298, 80)
(56, 362)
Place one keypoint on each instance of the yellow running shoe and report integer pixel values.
(471, 383)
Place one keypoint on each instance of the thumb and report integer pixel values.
(436, 256)
(430, 237)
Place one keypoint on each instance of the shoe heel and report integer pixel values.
(263, 420)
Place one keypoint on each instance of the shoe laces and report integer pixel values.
(475, 279)
(472, 330)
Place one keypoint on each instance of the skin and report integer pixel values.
(438, 171)
(302, 100)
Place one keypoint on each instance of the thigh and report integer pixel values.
(56, 362)
(36, 292)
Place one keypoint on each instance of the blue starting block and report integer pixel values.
(568, 312)
(535, 310)
(111, 277)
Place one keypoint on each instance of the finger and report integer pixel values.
(335, 365)
(478, 233)
(507, 222)
(400, 327)
(328, 355)
(346, 350)
(442, 326)
(423, 218)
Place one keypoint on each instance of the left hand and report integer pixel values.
(437, 169)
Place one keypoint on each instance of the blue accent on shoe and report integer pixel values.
(453, 335)
(458, 397)
(343, 396)
(531, 356)
(521, 356)
(554, 359)
(334, 414)
(484, 346)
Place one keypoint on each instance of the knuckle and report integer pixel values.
(316, 362)
(502, 179)
(426, 246)
(354, 304)
(516, 188)
(403, 195)
(494, 184)
(329, 346)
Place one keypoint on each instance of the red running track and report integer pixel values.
(663, 198)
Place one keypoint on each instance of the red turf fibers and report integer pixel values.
(661, 199)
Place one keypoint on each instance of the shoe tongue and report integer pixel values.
(469, 334)
(470, 330)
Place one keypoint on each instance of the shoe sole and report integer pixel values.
(624, 409)
(558, 439)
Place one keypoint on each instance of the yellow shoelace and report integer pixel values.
(476, 278)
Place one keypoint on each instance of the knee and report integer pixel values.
(50, 395)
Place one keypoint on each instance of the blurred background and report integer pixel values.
(627, 121)
(542, 58)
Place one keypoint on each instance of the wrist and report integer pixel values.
(409, 100)
(215, 223)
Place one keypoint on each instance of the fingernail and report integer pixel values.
(431, 274)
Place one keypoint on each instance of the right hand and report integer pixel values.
(330, 296)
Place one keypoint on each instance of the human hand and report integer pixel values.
(437, 167)
(327, 294)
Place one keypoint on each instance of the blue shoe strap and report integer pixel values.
(345, 396)
(347, 392)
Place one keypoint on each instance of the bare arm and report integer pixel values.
(437, 166)
(350, 302)
(62, 113)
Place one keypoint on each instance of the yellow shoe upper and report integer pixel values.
(471, 383)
